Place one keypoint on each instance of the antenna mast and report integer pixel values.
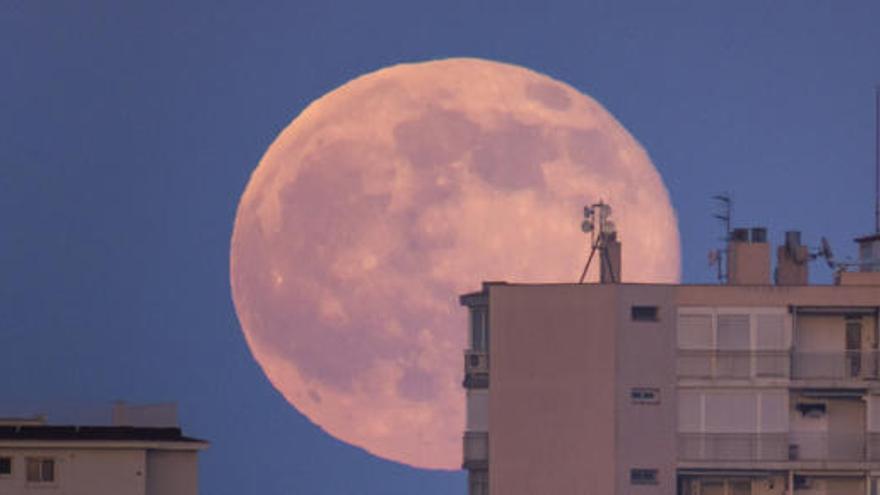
(717, 256)
(602, 232)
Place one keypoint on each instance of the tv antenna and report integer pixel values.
(602, 231)
(724, 215)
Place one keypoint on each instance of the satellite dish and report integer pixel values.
(588, 212)
(587, 226)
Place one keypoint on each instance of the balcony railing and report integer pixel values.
(838, 365)
(733, 364)
(828, 447)
(835, 365)
(769, 447)
(733, 446)
(476, 450)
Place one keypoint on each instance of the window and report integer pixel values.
(478, 482)
(480, 328)
(643, 476)
(40, 470)
(5, 466)
(641, 395)
(644, 313)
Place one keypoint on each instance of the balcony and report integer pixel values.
(476, 369)
(715, 364)
(776, 447)
(476, 450)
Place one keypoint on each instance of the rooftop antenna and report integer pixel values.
(602, 230)
(716, 256)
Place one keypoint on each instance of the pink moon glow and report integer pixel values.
(393, 194)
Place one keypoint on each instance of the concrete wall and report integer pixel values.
(646, 350)
(79, 472)
(552, 396)
(172, 473)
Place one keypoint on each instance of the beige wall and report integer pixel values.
(172, 472)
(79, 472)
(646, 433)
(552, 395)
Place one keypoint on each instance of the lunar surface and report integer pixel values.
(393, 194)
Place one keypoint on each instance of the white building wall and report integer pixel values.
(79, 472)
(172, 472)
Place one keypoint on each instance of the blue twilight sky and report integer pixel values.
(129, 129)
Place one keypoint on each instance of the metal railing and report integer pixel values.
(808, 446)
(767, 447)
(835, 365)
(476, 449)
(832, 365)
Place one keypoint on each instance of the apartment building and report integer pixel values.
(137, 455)
(749, 387)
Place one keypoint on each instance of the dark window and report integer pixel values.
(40, 470)
(478, 482)
(642, 395)
(480, 328)
(643, 476)
(644, 313)
(5, 466)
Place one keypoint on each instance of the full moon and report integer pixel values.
(387, 198)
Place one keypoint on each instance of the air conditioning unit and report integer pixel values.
(476, 362)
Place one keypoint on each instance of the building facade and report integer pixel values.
(37, 458)
(736, 389)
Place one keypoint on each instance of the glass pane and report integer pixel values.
(33, 470)
(478, 323)
(771, 332)
(733, 332)
(774, 413)
(731, 412)
(689, 411)
(712, 488)
(740, 488)
(5, 465)
(694, 331)
(48, 470)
